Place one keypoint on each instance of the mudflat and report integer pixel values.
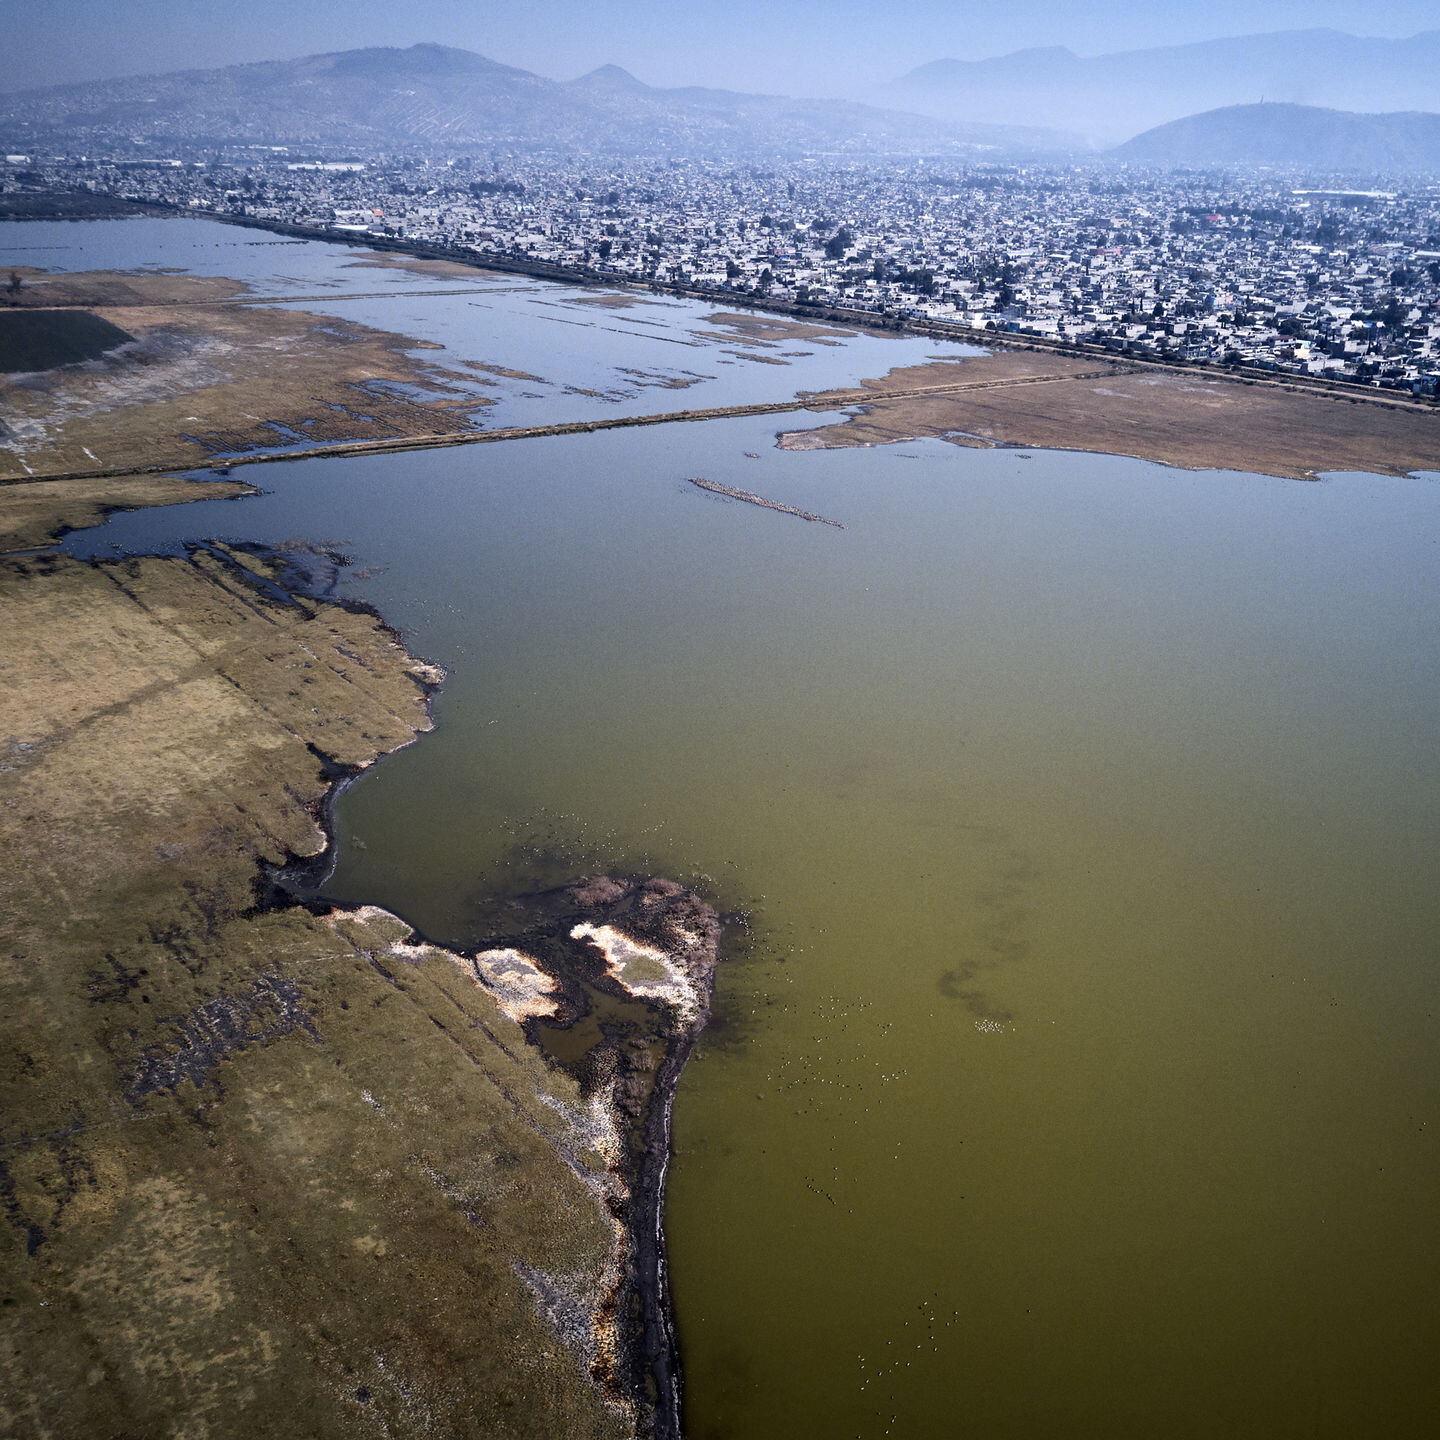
(206, 376)
(755, 327)
(1185, 418)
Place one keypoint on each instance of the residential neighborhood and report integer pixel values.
(1267, 270)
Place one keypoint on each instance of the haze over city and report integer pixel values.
(795, 47)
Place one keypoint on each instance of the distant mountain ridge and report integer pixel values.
(1113, 97)
(1293, 137)
(430, 95)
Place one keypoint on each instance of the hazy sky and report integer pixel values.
(795, 47)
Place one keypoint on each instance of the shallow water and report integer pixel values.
(577, 353)
(1081, 1075)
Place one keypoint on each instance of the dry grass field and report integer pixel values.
(262, 1171)
(206, 375)
(1038, 400)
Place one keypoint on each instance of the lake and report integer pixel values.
(1080, 1071)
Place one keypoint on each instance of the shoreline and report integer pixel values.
(649, 1347)
(588, 938)
(292, 1042)
(662, 1336)
(648, 1360)
(823, 313)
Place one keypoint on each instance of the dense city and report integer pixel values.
(1261, 270)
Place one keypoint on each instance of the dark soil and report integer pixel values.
(43, 339)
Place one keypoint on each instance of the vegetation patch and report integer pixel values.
(262, 1171)
(210, 375)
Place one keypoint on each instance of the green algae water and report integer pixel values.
(1079, 1073)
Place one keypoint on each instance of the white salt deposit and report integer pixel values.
(647, 973)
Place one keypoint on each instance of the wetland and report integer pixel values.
(1073, 1063)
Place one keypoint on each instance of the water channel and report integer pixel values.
(1081, 1074)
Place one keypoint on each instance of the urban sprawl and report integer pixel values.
(1260, 270)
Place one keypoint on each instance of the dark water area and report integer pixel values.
(1080, 1071)
(43, 339)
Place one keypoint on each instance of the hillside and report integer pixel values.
(1292, 136)
(1112, 97)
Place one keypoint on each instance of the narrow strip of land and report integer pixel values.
(329, 297)
(827, 400)
(751, 498)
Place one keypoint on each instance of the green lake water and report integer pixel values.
(1079, 1074)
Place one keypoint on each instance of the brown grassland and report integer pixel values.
(1185, 418)
(262, 1171)
(208, 375)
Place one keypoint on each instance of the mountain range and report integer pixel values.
(1028, 105)
(1111, 98)
(428, 95)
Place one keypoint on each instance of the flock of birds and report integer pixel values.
(834, 1063)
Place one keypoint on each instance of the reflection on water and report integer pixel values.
(530, 352)
(1080, 1077)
